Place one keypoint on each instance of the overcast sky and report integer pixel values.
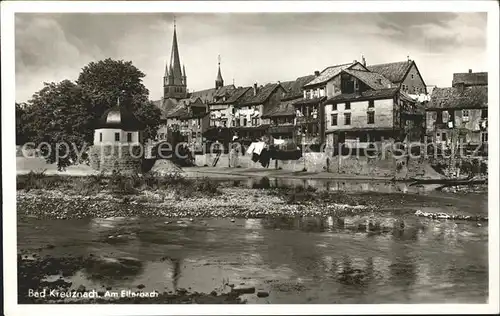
(253, 47)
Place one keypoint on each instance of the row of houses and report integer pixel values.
(351, 103)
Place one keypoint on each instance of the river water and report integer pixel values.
(295, 260)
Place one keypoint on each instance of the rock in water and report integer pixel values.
(262, 294)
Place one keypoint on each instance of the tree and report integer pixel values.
(150, 115)
(65, 113)
(104, 81)
(23, 134)
(60, 119)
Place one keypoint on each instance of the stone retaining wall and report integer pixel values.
(123, 158)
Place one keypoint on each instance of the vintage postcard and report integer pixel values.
(282, 157)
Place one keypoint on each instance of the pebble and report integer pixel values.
(262, 294)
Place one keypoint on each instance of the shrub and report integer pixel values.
(119, 183)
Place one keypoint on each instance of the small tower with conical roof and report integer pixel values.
(175, 80)
(117, 141)
(219, 82)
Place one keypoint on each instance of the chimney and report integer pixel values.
(354, 61)
(316, 73)
(363, 60)
(470, 71)
(255, 89)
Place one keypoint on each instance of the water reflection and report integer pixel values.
(298, 260)
(331, 185)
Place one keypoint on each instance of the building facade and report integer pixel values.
(458, 115)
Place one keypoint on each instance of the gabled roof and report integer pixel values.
(294, 88)
(468, 98)
(263, 93)
(328, 73)
(372, 79)
(366, 95)
(284, 108)
(224, 91)
(395, 72)
(208, 95)
(470, 78)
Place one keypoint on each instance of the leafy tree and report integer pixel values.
(150, 115)
(60, 118)
(104, 81)
(66, 112)
(23, 134)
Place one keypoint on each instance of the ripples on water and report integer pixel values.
(298, 260)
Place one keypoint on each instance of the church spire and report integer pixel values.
(219, 82)
(175, 63)
(175, 81)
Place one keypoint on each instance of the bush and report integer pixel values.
(208, 186)
(121, 184)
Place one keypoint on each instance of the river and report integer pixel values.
(295, 260)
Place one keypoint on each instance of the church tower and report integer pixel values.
(175, 80)
(219, 82)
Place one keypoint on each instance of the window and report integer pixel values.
(334, 107)
(244, 122)
(129, 137)
(443, 137)
(371, 117)
(446, 116)
(233, 123)
(334, 119)
(117, 137)
(484, 137)
(255, 121)
(371, 104)
(404, 87)
(412, 76)
(465, 115)
(484, 114)
(348, 105)
(100, 137)
(347, 119)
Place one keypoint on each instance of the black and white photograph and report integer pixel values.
(250, 153)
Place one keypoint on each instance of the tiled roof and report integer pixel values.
(238, 93)
(469, 98)
(372, 79)
(395, 72)
(224, 91)
(328, 74)
(367, 95)
(294, 88)
(206, 95)
(263, 93)
(284, 108)
(167, 106)
(471, 79)
(179, 113)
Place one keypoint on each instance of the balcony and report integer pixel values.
(281, 129)
(307, 119)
